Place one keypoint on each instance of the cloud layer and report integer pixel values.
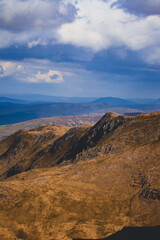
(93, 25)
(98, 24)
(32, 22)
(32, 71)
(102, 25)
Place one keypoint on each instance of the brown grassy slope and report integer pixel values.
(37, 148)
(47, 146)
(116, 185)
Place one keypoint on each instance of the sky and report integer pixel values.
(85, 48)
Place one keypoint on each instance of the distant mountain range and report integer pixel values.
(12, 100)
(40, 98)
(35, 106)
(14, 113)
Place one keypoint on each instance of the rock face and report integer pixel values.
(86, 182)
(106, 125)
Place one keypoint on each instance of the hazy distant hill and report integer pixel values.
(115, 102)
(142, 100)
(41, 98)
(157, 101)
(42, 106)
(11, 100)
(14, 113)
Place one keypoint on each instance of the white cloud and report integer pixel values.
(32, 22)
(20, 68)
(100, 25)
(152, 56)
(93, 24)
(33, 71)
(19, 15)
(34, 43)
(49, 77)
(8, 67)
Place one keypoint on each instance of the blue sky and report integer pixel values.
(80, 47)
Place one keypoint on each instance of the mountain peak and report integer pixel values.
(110, 115)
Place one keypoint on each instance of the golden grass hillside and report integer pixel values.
(104, 177)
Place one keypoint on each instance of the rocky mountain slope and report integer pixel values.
(81, 183)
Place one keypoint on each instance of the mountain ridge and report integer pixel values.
(111, 183)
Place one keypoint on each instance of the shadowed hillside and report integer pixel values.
(86, 182)
(38, 148)
(133, 233)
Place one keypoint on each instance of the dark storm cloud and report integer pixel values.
(83, 23)
(148, 7)
(32, 22)
(18, 15)
(81, 44)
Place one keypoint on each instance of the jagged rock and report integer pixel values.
(93, 153)
(150, 193)
(107, 124)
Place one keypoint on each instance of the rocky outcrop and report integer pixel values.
(149, 193)
(95, 152)
(106, 125)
